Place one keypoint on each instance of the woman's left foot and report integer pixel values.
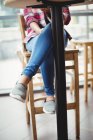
(49, 107)
(19, 92)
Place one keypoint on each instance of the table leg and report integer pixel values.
(61, 109)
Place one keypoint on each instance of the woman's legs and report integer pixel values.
(41, 47)
(42, 56)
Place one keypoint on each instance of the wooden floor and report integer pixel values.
(13, 123)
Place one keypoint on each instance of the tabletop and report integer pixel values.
(24, 3)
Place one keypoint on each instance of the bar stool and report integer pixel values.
(88, 76)
(31, 109)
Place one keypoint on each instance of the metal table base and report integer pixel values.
(58, 37)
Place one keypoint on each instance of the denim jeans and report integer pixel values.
(41, 49)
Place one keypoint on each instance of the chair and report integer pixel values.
(31, 109)
(88, 57)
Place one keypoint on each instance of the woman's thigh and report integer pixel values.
(31, 43)
(40, 46)
(44, 40)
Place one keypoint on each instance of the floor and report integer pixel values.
(13, 120)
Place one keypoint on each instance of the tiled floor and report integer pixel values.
(13, 121)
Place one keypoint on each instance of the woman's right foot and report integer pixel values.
(19, 92)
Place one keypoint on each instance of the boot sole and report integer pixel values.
(17, 97)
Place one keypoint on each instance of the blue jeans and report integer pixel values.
(41, 49)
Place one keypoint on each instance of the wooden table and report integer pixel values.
(87, 76)
(57, 23)
(25, 3)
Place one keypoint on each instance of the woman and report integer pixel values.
(39, 41)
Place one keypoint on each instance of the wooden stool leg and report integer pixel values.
(21, 58)
(32, 111)
(27, 98)
(72, 87)
(77, 115)
(91, 64)
(27, 111)
(85, 72)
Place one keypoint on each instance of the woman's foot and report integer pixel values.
(19, 92)
(20, 89)
(49, 105)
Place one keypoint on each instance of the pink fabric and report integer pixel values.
(37, 15)
(66, 15)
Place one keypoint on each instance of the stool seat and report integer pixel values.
(82, 42)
